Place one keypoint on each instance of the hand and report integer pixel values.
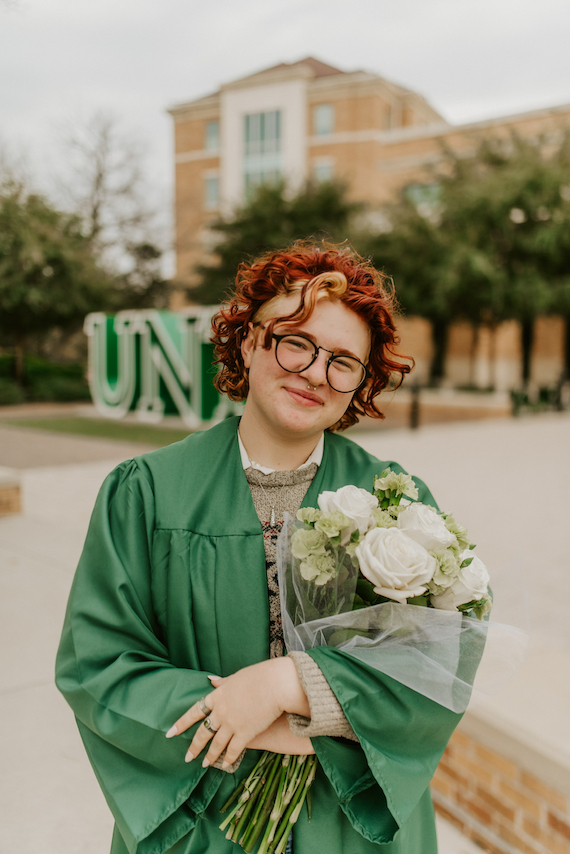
(243, 706)
(278, 738)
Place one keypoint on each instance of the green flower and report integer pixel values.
(398, 484)
(483, 607)
(318, 568)
(331, 524)
(383, 518)
(306, 541)
(448, 568)
(455, 528)
(308, 514)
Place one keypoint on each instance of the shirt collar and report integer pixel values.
(316, 457)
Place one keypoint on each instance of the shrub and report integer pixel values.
(10, 392)
(43, 380)
(59, 388)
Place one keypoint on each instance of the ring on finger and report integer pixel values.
(208, 725)
(204, 708)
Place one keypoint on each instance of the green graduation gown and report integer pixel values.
(171, 586)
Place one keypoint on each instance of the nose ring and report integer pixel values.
(314, 387)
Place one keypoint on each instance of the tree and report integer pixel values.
(495, 239)
(499, 209)
(49, 276)
(271, 219)
(413, 251)
(106, 188)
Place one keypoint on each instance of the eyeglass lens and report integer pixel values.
(295, 353)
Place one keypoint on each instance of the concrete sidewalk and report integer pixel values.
(508, 481)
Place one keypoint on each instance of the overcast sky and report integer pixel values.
(471, 59)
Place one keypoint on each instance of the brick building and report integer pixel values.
(308, 119)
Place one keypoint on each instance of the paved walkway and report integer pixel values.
(507, 480)
(509, 483)
(29, 448)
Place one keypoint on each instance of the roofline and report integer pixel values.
(212, 100)
(441, 128)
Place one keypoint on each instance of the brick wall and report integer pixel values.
(498, 803)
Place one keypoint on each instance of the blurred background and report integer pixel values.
(145, 150)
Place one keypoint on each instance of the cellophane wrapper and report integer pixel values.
(434, 652)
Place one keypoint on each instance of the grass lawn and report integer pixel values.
(104, 429)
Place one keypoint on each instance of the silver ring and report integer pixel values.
(203, 707)
(208, 725)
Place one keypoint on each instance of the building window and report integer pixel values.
(388, 117)
(262, 151)
(211, 192)
(323, 119)
(426, 198)
(323, 169)
(212, 136)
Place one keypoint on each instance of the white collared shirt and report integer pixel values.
(316, 457)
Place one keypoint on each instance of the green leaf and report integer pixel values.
(418, 600)
(467, 606)
(466, 562)
(365, 590)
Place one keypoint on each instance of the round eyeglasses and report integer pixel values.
(295, 353)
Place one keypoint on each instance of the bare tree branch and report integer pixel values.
(105, 185)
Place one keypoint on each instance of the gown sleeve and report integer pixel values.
(402, 735)
(114, 671)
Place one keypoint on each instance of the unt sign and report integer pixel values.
(155, 363)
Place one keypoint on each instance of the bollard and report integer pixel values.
(10, 494)
(415, 407)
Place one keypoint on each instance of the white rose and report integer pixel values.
(355, 503)
(470, 585)
(425, 526)
(398, 567)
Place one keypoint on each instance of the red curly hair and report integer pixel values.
(313, 272)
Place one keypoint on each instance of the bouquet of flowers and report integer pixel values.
(381, 547)
(352, 575)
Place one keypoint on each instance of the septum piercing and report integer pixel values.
(314, 387)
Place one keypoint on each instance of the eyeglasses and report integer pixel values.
(295, 353)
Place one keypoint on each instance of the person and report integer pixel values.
(173, 625)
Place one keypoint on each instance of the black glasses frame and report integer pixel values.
(333, 357)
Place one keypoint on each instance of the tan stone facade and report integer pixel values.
(376, 136)
(363, 112)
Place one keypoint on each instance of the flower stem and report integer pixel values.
(269, 802)
(256, 825)
(294, 810)
(265, 813)
(248, 790)
(277, 810)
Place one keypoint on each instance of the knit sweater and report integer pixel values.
(274, 495)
